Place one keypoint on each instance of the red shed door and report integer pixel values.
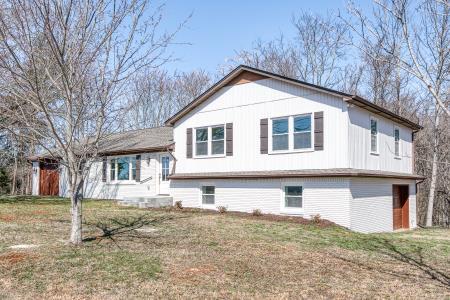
(49, 179)
(400, 196)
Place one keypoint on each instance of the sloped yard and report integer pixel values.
(131, 253)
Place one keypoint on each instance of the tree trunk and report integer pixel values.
(14, 179)
(76, 209)
(434, 169)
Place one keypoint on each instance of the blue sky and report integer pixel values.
(219, 28)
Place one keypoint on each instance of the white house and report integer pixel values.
(257, 140)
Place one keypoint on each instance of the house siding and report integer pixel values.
(359, 144)
(245, 105)
(371, 205)
(329, 197)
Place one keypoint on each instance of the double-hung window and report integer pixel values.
(373, 135)
(397, 142)
(302, 132)
(210, 141)
(208, 194)
(123, 168)
(293, 198)
(293, 133)
(280, 134)
(201, 141)
(217, 140)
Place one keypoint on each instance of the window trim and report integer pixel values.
(291, 134)
(397, 156)
(130, 179)
(292, 210)
(209, 141)
(377, 151)
(203, 205)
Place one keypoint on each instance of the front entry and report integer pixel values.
(400, 196)
(164, 171)
(49, 179)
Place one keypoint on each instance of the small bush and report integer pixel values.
(222, 209)
(316, 219)
(178, 204)
(257, 212)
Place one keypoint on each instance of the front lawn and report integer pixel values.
(132, 253)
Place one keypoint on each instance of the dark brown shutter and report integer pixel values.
(104, 169)
(318, 130)
(229, 141)
(263, 136)
(138, 168)
(189, 143)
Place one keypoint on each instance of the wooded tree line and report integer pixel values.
(73, 73)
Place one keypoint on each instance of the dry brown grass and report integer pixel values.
(131, 253)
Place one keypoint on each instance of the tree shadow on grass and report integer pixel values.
(413, 258)
(127, 227)
(33, 200)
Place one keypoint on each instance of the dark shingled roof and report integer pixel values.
(149, 139)
(128, 142)
(337, 172)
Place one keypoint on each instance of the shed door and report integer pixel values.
(400, 195)
(49, 179)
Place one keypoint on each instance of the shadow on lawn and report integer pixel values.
(413, 258)
(124, 227)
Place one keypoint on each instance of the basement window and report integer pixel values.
(208, 194)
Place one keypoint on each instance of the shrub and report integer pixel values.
(222, 209)
(257, 212)
(178, 204)
(316, 219)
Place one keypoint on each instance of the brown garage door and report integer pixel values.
(400, 196)
(49, 179)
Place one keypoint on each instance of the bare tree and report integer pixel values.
(156, 95)
(415, 36)
(68, 64)
(317, 53)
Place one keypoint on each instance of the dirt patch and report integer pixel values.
(15, 257)
(7, 218)
(194, 273)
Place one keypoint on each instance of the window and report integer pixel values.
(217, 140)
(208, 194)
(201, 141)
(293, 196)
(113, 170)
(165, 168)
(292, 133)
(302, 132)
(373, 135)
(280, 134)
(122, 168)
(210, 141)
(397, 141)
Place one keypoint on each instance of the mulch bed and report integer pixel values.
(266, 217)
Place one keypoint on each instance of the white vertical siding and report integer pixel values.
(244, 105)
(372, 206)
(329, 197)
(359, 144)
(35, 178)
(95, 188)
